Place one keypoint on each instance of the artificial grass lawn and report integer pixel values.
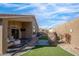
(47, 51)
(43, 38)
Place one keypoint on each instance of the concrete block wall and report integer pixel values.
(72, 28)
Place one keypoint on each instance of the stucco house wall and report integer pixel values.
(28, 21)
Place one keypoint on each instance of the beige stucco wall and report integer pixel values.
(28, 27)
(5, 34)
(65, 28)
(1, 39)
(36, 25)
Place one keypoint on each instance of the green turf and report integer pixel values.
(43, 38)
(47, 51)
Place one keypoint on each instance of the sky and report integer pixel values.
(47, 14)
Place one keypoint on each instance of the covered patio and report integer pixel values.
(16, 29)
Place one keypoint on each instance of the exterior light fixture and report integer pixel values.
(71, 30)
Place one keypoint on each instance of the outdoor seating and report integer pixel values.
(22, 42)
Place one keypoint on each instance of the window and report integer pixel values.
(15, 33)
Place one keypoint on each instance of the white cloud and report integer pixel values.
(27, 6)
(9, 5)
(41, 7)
(55, 23)
(63, 9)
(21, 8)
(41, 11)
(45, 26)
(65, 17)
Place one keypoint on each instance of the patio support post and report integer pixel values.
(5, 36)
